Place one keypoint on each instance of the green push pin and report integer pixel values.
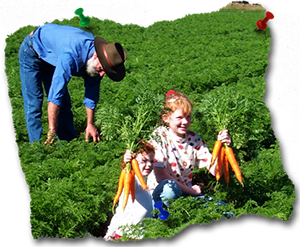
(84, 21)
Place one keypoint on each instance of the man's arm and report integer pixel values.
(91, 97)
(53, 112)
(62, 74)
(91, 130)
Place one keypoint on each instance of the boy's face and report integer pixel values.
(178, 122)
(145, 161)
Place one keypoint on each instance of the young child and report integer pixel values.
(177, 151)
(142, 206)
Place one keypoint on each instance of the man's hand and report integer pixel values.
(53, 111)
(92, 131)
(51, 137)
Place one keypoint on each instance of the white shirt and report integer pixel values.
(178, 155)
(133, 213)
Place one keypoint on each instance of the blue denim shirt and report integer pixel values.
(68, 49)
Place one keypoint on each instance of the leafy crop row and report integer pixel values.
(219, 61)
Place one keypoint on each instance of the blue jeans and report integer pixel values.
(169, 189)
(33, 73)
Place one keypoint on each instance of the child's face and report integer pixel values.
(145, 161)
(178, 122)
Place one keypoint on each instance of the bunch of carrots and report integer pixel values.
(127, 182)
(223, 155)
(130, 132)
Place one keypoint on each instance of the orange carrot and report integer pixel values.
(226, 168)
(137, 171)
(215, 152)
(222, 155)
(132, 186)
(232, 161)
(127, 187)
(120, 186)
(219, 167)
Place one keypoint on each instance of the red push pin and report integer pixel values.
(262, 24)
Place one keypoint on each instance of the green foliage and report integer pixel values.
(268, 191)
(183, 212)
(71, 189)
(215, 59)
(131, 122)
(265, 182)
(237, 108)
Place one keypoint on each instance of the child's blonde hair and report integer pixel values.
(176, 100)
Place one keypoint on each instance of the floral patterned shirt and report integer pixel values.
(179, 155)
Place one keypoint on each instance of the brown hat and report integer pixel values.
(112, 57)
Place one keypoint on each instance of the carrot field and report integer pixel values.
(219, 61)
